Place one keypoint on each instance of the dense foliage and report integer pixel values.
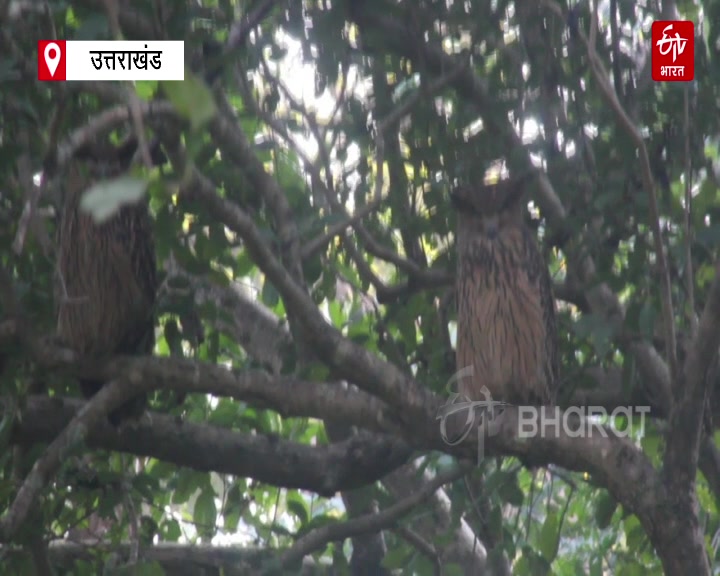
(304, 237)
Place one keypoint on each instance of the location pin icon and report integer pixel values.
(52, 57)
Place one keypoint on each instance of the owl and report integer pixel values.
(506, 326)
(107, 271)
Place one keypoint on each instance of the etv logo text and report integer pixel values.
(673, 51)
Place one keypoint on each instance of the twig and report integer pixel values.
(76, 431)
(369, 523)
(319, 242)
(242, 28)
(112, 10)
(600, 75)
(25, 180)
(425, 547)
(8, 329)
(136, 115)
(327, 187)
(689, 275)
(104, 122)
(35, 544)
(372, 246)
(565, 508)
(33, 193)
(133, 524)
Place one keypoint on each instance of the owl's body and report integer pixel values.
(107, 276)
(506, 328)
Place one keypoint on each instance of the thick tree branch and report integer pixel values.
(176, 559)
(323, 469)
(686, 420)
(289, 396)
(234, 145)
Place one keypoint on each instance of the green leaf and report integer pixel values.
(270, 296)
(106, 197)
(192, 99)
(234, 506)
(397, 558)
(336, 314)
(708, 236)
(140, 569)
(634, 534)
(93, 27)
(511, 493)
(297, 506)
(549, 538)
(315, 523)
(453, 570)
(145, 89)
(597, 330)
(205, 512)
(535, 564)
(244, 264)
(226, 414)
(646, 320)
(173, 337)
(605, 507)
(8, 70)
(498, 478)
(631, 569)
(186, 483)
(522, 566)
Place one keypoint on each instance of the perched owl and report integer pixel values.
(506, 326)
(107, 275)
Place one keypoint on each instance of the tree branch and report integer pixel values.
(352, 361)
(686, 420)
(110, 397)
(601, 77)
(323, 469)
(179, 559)
(320, 537)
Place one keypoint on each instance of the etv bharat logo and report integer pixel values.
(673, 51)
(459, 416)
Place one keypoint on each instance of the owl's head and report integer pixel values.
(490, 209)
(107, 158)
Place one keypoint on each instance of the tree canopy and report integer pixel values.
(305, 245)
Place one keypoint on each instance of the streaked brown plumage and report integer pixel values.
(107, 270)
(506, 328)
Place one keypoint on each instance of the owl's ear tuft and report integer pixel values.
(460, 198)
(510, 195)
(512, 190)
